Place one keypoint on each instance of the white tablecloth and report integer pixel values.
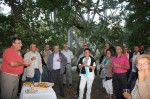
(40, 94)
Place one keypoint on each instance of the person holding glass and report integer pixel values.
(142, 87)
(86, 67)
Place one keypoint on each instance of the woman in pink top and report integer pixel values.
(120, 64)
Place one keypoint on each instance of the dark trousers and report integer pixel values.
(119, 83)
(36, 77)
(57, 79)
(132, 77)
(46, 75)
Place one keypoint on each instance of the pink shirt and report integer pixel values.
(122, 60)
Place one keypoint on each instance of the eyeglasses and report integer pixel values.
(142, 64)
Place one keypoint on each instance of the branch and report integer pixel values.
(11, 4)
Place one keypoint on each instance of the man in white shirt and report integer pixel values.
(68, 69)
(56, 64)
(133, 73)
(35, 70)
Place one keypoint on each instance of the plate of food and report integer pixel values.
(32, 90)
(28, 84)
(43, 85)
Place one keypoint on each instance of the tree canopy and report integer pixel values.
(93, 21)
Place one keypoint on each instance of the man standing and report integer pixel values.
(35, 70)
(133, 74)
(46, 53)
(56, 65)
(69, 56)
(46, 76)
(120, 64)
(12, 68)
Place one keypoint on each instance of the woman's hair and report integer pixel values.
(110, 51)
(146, 56)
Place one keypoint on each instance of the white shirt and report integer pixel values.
(90, 74)
(68, 54)
(56, 64)
(36, 61)
(133, 61)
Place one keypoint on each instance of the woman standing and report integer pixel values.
(86, 67)
(107, 73)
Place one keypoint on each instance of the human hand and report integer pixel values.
(33, 58)
(117, 65)
(26, 63)
(127, 95)
(101, 65)
(59, 59)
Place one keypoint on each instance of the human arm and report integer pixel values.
(121, 66)
(16, 64)
(125, 64)
(11, 60)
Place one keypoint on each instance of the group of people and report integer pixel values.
(33, 67)
(119, 70)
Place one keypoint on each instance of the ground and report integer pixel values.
(98, 92)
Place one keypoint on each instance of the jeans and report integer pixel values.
(36, 77)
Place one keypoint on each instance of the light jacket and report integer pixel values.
(31, 68)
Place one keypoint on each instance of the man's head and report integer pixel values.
(56, 48)
(16, 43)
(136, 49)
(142, 48)
(118, 49)
(33, 47)
(46, 47)
(65, 47)
(85, 45)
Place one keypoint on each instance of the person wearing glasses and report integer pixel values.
(12, 68)
(142, 87)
